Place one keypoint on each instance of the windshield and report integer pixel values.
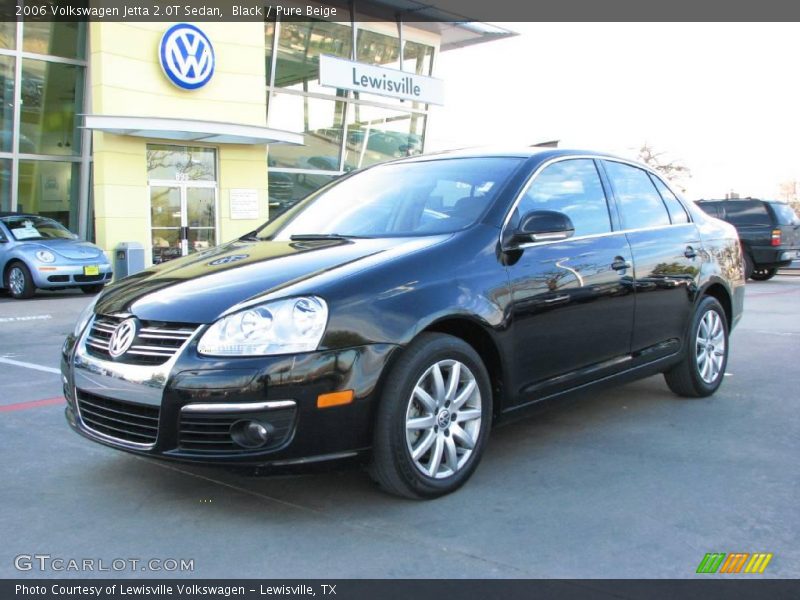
(31, 227)
(399, 199)
(785, 214)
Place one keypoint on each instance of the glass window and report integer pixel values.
(5, 184)
(50, 189)
(52, 95)
(747, 212)
(37, 228)
(299, 47)
(287, 189)
(639, 201)
(181, 163)
(399, 199)
(785, 214)
(378, 49)
(7, 105)
(572, 187)
(58, 39)
(417, 58)
(378, 134)
(321, 122)
(677, 213)
(8, 34)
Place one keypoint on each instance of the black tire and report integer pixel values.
(763, 274)
(685, 378)
(749, 266)
(392, 465)
(92, 289)
(27, 288)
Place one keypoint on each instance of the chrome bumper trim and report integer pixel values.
(222, 407)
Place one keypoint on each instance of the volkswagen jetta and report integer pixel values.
(398, 312)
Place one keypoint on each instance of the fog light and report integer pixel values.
(251, 434)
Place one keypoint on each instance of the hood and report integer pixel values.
(72, 249)
(200, 287)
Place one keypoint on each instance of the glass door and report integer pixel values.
(183, 200)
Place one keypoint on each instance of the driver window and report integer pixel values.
(572, 187)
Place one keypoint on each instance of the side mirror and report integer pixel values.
(543, 226)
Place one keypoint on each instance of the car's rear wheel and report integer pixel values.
(748, 265)
(433, 420)
(763, 274)
(92, 289)
(702, 367)
(19, 281)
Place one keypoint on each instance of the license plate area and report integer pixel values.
(91, 270)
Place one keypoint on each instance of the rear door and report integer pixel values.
(667, 255)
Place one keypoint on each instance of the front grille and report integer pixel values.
(58, 278)
(210, 432)
(155, 343)
(126, 421)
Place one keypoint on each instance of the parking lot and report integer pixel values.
(630, 482)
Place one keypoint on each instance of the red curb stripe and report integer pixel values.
(32, 404)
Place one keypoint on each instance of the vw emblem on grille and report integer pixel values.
(186, 56)
(123, 337)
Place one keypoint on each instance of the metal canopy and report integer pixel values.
(190, 130)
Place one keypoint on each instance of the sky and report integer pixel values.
(721, 98)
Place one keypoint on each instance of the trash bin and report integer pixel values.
(128, 259)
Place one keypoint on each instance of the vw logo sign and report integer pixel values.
(186, 56)
(228, 259)
(123, 337)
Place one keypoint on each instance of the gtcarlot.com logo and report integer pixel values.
(735, 562)
(49, 563)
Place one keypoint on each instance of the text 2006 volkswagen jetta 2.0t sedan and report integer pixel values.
(399, 311)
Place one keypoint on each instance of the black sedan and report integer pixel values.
(398, 312)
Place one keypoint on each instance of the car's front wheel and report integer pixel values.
(702, 367)
(19, 281)
(433, 420)
(762, 274)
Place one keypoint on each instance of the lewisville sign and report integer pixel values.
(359, 77)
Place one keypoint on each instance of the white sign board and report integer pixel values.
(356, 76)
(244, 203)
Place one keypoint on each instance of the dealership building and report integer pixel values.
(180, 136)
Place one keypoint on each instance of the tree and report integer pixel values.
(672, 170)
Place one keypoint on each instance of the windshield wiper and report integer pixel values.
(307, 237)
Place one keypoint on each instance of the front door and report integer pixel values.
(572, 300)
(183, 200)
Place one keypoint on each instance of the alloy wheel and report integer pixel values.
(16, 281)
(710, 346)
(443, 419)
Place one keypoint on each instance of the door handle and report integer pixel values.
(689, 252)
(620, 264)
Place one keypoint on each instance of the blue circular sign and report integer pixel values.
(186, 56)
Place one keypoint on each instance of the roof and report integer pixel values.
(191, 130)
(455, 28)
(543, 152)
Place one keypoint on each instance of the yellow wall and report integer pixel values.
(127, 80)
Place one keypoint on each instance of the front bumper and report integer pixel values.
(59, 276)
(184, 409)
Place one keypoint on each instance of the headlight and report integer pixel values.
(84, 317)
(45, 256)
(279, 327)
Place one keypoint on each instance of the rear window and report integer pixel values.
(785, 214)
(747, 212)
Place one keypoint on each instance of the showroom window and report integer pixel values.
(42, 157)
(377, 134)
(50, 189)
(7, 106)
